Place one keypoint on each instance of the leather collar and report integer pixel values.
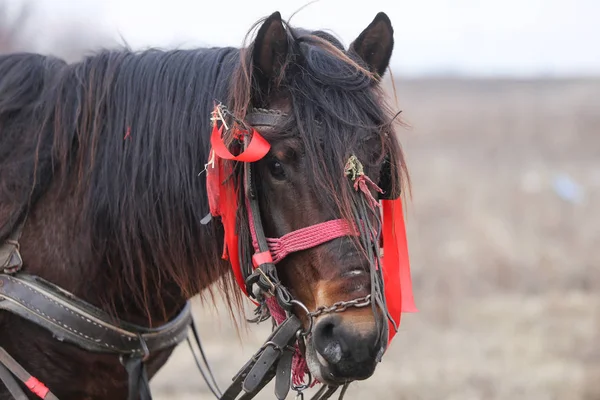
(72, 320)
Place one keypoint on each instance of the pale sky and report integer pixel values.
(482, 37)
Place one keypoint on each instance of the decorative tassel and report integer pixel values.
(355, 171)
(361, 183)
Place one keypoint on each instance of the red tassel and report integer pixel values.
(362, 183)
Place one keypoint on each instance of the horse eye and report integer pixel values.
(276, 168)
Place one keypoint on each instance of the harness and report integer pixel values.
(74, 321)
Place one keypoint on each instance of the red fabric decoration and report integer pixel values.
(257, 148)
(222, 196)
(223, 200)
(396, 264)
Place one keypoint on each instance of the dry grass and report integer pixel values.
(506, 273)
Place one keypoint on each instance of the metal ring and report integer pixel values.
(301, 388)
(274, 345)
(308, 315)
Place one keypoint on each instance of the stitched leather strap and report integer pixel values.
(75, 321)
(261, 368)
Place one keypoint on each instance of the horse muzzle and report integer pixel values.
(340, 351)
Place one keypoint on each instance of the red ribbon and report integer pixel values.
(396, 265)
(222, 196)
(257, 148)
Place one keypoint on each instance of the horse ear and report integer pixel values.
(270, 48)
(375, 44)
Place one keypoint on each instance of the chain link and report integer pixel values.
(342, 306)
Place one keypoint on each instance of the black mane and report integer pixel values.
(24, 79)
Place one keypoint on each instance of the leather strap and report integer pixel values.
(252, 377)
(139, 386)
(11, 369)
(203, 366)
(75, 321)
(283, 379)
(262, 117)
(11, 384)
(265, 274)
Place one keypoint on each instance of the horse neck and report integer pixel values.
(60, 244)
(55, 246)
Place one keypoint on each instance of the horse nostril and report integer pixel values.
(333, 352)
(328, 343)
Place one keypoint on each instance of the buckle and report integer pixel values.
(11, 257)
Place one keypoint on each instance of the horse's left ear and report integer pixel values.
(375, 44)
(270, 48)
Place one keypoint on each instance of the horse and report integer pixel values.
(110, 225)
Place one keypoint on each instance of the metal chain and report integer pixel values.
(341, 306)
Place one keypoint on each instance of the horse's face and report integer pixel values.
(342, 346)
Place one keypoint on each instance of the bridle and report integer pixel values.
(260, 278)
(74, 321)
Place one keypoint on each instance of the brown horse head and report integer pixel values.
(332, 112)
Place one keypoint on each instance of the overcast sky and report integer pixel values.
(483, 37)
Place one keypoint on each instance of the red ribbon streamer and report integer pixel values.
(222, 195)
(223, 201)
(396, 265)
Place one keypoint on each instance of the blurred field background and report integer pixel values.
(504, 234)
